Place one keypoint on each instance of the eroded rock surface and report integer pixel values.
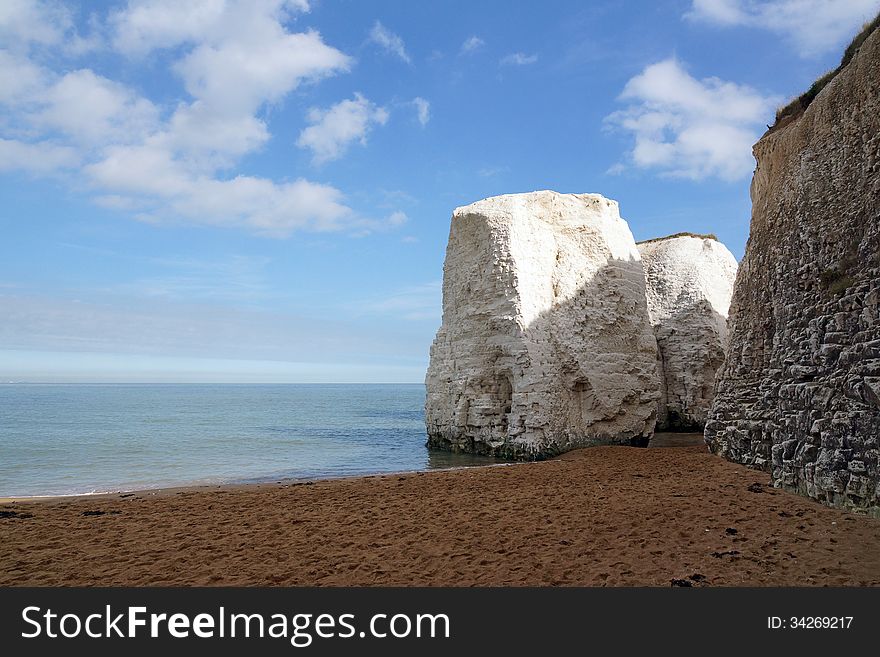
(689, 284)
(799, 393)
(545, 343)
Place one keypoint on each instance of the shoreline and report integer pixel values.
(665, 439)
(600, 516)
(270, 482)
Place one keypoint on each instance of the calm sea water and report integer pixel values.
(69, 439)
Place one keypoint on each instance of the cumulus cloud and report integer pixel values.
(423, 110)
(91, 109)
(207, 139)
(26, 22)
(40, 157)
(239, 76)
(689, 128)
(164, 189)
(240, 55)
(813, 26)
(147, 25)
(20, 79)
(518, 59)
(335, 128)
(471, 45)
(41, 23)
(175, 163)
(389, 41)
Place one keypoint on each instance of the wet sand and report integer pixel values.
(595, 517)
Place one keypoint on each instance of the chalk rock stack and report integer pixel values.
(689, 284)
(545, 343)
(799, 393)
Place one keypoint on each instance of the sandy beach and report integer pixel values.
(605, 516)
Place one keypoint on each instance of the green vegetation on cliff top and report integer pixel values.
(795, 108)
(702, 236)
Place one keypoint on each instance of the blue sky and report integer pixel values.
(261, 191)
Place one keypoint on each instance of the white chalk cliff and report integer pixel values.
(545, 343)
(689, 286)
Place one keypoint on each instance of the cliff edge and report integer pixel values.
(799, 392)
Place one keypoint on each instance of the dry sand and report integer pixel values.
(594, 517)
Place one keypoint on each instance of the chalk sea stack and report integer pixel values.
(799, 393)
(545, 343)
(689, 284)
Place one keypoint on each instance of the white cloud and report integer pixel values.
(141, 169)
(423, 109)
(40, 157)
(689, 128)
(389, 41)
(20, 79)
(207, 139)
(518, 59)
(26, 22)
(397, 218)
(333, 129)
(471, 45)
(271, 209)
(239, 76)
(723, 12)
(234, 58)
(166, 190)
(241, 55)
(92, 109)
(33, 23)
(813, 26)
(146, 25)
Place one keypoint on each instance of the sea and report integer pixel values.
(70, 439)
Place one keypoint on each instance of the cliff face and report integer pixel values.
(545, 343)
(689, 285)
(799, 393)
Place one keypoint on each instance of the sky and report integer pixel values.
(260, 191)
